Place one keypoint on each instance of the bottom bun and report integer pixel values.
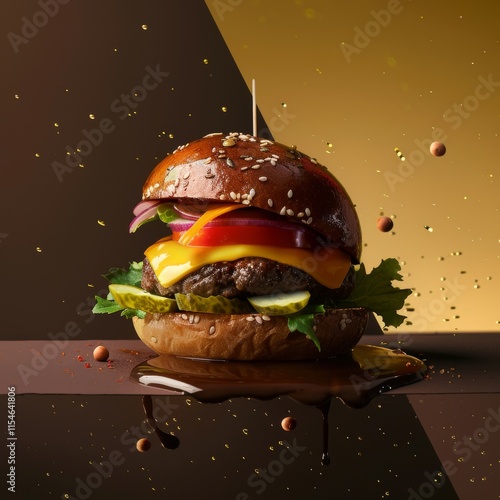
(250, 337)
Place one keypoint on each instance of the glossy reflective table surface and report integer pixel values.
(216, 428)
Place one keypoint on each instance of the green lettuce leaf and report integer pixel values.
(166, 213)
(376, 292)
(303, 321)
(131, 276)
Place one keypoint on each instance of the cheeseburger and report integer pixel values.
(261, 259)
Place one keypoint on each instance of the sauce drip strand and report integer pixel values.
(167, 440)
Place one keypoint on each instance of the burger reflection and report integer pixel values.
(355, 378)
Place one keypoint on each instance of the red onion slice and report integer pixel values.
(144, 204)
(180, 225)
(148, 213)
(193, 212)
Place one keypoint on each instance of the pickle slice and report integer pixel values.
(214, 304)
(280, 304)
(136, 298)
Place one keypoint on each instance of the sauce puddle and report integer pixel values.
(355, 378)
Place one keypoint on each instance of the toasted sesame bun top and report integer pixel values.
(261, 173)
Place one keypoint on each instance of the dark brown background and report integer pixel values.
(53, 249)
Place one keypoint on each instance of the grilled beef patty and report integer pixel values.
(245, 277)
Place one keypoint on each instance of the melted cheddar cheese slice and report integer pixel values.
(172, 261)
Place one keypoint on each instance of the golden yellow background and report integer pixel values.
(348, 82)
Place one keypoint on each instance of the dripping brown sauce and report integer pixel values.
(355, 378)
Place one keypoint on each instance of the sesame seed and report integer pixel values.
(262, 179)
(243, 169)
(184, 316)
(208, 160)
(186, 175)
(252, 192)
(244, 196)
(212, 134)
(214, 150)
(246, 202)
(290, 212)
(290, 193)
(258, 319)
(248, 158)
(265, 317)
(300, 215)
(212, 330)
(196, 319)
(313, 160)
(229, 162)
(283, 211)
(309, 220)
(222, 151)
(238, 196)
(191, 319)
(275, 156)
(260, 160)
(273, 162)
(307, 211)
(270, 202)
(255, 167)
(233, 195)
(250, 318)
(222, 197)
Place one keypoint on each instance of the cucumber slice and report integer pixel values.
(280, 304)
(136, 298)
(214, 304)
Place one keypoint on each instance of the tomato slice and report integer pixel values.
(210, 236)
(247, 227)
